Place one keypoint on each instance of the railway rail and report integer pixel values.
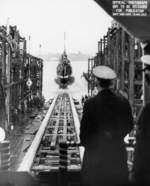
(59, 129)
(55, 157)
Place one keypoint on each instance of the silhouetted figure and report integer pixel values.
(107, 118)
(141, 168)
(15, 117)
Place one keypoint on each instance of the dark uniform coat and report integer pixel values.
(141, 167)
(107, 118)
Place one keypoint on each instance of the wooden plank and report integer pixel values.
(30, 155)
(131, 71)
(54, 136)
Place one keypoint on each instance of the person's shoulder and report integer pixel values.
(121, 96)
(90, 101)
(122, 99)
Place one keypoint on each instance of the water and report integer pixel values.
(77, 89)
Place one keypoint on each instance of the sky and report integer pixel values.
(45, 21)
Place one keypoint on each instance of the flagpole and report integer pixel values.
(64, 41)
(29, 44)
(40, 46)
(7, 25)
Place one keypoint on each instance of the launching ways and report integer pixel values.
(61, 125)
(36, 156)
(54, 157)
(54, 150)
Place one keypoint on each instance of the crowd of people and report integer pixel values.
(107, 118)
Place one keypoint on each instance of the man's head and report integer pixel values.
(146, 60)
(104, 75)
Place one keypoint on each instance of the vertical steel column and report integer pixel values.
(122, 60)
(8, 61)
(131, 71)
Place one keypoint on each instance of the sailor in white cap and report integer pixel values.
(106, 120)
(141, 168)
(104, 72)
(104, 76)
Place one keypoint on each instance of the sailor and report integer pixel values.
(106, 120)
(141, 168)
(15, 118)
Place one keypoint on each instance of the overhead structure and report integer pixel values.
(134, 15)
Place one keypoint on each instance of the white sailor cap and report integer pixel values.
(104, 72)
(146, 59)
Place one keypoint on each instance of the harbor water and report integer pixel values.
(77, 89)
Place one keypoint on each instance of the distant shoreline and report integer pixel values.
(71, 57)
